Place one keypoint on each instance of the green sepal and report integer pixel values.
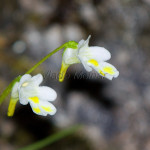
(71, 44)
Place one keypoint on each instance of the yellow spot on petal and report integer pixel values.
(37, 110)
(48, 109)
(101, 73)
(34, 99)
(25, 84)
(109, 70)
(94, 62)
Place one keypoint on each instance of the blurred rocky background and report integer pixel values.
(115, 114)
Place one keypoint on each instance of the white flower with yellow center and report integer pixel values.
(91, 57)
(27, 90)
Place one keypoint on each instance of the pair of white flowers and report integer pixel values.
(27, 90)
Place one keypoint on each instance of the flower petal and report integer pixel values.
(84, 43)
(86, 66)
(37, 110)
(24, 78)
(37, 79)
(98, 53)
(105, 69)
(23, 100)
(47, 107)
(93, 62)
(81, 43)
(28, 91)
(34, 99)
(109, 69)
(41, 107)
(46, 93)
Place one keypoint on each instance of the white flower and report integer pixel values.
(91, 57)
(27, 90)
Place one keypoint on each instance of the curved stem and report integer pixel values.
(46, 57)
(52, 138)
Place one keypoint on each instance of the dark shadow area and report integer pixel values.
(93, 88)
